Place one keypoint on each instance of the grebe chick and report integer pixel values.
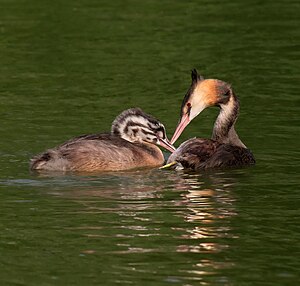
(131, 144)
(224, 149)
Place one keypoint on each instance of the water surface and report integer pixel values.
(69, 68)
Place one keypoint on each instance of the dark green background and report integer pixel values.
(69, 67)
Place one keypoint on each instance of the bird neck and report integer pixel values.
(224, 131)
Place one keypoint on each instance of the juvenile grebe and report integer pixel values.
(131, 144)
(224, 149)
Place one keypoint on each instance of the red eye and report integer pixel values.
(188, 104)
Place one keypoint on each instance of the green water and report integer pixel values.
(69, 67)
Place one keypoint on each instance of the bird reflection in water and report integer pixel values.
(209, 208)
(162, 212)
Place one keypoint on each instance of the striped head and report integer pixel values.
(134, 125)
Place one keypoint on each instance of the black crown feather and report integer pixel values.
(195, 76)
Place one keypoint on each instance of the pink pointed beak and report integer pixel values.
(166, 144)
(185, 120)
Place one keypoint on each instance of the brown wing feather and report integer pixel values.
(230, 156)
(198, 153)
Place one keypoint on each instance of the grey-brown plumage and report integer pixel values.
(224, 149)
(131, 144)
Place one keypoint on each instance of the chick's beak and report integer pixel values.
(184, 121)
(166, 144)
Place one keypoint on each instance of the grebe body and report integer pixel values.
(224, 149)
(199, 153)
(131, 144)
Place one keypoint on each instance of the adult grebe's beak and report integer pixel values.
(184, 121)
(166, 144)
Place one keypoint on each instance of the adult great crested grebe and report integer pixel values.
(224, 149)
(131, 144)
